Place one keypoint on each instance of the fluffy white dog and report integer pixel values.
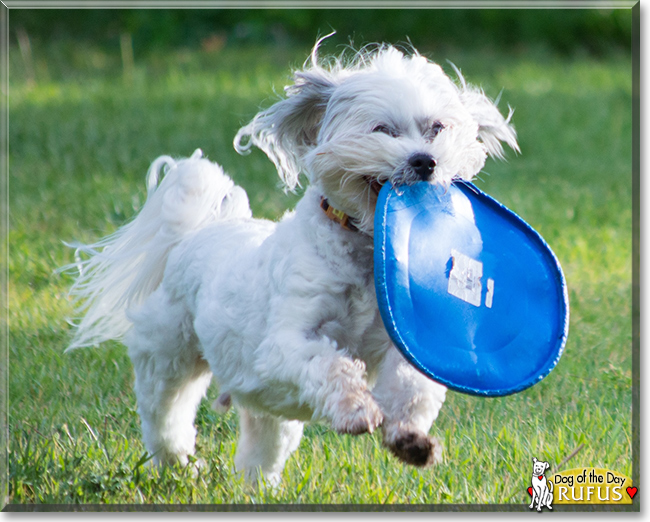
(284, 315)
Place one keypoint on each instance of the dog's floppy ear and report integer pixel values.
(289, 128)
(493, 128)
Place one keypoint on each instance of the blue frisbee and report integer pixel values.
(470, 294)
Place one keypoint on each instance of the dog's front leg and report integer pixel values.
(541, 496)
(330, 382)
(410, 403)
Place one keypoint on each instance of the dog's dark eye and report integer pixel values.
(384, 129)
(435, 129)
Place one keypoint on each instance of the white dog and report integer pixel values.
(284, 315)
(541, 491)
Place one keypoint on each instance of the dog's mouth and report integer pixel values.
(374, 184)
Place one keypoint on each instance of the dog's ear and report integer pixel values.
(493, 128)
(289, 128)
(534, 460)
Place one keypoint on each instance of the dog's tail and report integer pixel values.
(124, 268)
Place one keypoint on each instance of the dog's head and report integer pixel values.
(539, 467)
(382, 116)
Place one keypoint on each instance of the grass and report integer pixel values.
(81, 138)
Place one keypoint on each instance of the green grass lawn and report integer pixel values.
(81, 139)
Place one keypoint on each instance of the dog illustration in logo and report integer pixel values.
(540, 486)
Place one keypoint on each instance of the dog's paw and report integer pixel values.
(417, 449)
(349, 406)
(359, 417)
(196, 465)
(255, 480)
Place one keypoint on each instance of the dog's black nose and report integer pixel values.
(422, 165)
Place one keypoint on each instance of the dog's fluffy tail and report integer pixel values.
(122, 269)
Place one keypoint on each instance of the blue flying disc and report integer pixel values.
(469, 293)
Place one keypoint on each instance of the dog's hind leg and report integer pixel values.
(549, 496)
(265, 444)
(171, 377)
(410, 403)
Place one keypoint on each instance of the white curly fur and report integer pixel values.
(284, 315)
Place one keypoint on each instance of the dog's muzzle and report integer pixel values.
(423, 165)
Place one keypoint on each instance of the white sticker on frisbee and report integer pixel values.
(465, 278)
(490, 292)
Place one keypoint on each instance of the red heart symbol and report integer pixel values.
(540, 477)
(631, 492)
(530, 491)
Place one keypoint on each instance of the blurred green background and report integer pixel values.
(565, 31)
